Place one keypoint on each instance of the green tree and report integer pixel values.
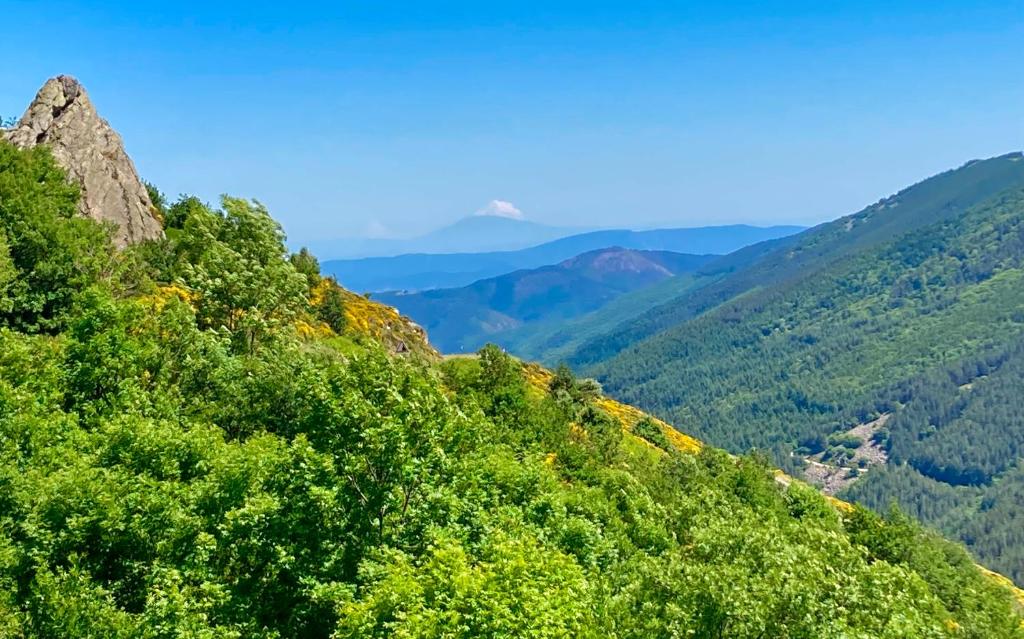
(178, 213)
(331, 307)
(8, 274)
(55, 252)
(502, 387)
(157, 197)
(237, 263)
(307, 264)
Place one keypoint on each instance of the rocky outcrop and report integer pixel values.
(63, 118)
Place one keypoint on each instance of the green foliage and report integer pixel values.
(331, 309)
(650, 431)
(987, 519)
(506, 586)
(501, 387)
(845, 440)
(8, 274)
(161, 478)
(55, 253)
(910, 308)
(235, 260)
(307, 264)
(157, 197)
(945, 414)
(178, 213)
(574, 393)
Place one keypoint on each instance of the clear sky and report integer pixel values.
(384, 117)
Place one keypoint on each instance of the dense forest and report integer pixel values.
(465, 319)
(199, 439)
(912, 310)
(955, 441)
(786, 262)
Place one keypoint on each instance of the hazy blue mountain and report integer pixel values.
(424, 271)
(555, 341)
(477, 233)
(461, 319)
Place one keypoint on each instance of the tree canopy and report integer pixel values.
(181, 457)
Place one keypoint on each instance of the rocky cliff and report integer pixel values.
(63, 118)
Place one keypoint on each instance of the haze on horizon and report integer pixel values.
(393, 121)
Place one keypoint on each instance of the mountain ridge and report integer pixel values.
(878, 312)
(461, 319)
(935, 198)
(471, 233)
(426, 271)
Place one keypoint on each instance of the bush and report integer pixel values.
(649, 430)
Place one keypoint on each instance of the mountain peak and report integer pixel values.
(616, 259)
(63, 118)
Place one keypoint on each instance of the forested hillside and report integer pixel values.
(199, 437)
(789, 260)
(957, 441)
(553, 341)
(911, 311)
(464, 319)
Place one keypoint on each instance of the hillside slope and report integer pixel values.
(426, 271)
(787, 261)
(560, 341)
(463, 319)
(194, 443)
(921, 327)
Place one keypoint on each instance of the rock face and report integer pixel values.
(63, 118)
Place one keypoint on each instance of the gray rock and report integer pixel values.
(63, 118)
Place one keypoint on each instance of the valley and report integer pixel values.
(707, 432)
(912, 303)
(464, 319)
(876, 356)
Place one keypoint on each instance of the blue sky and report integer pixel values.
(348, 117)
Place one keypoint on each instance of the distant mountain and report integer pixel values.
(477, 233)
(234, 454)
(558, 341)
(882, 352)
(415, 272)
(462, 319)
